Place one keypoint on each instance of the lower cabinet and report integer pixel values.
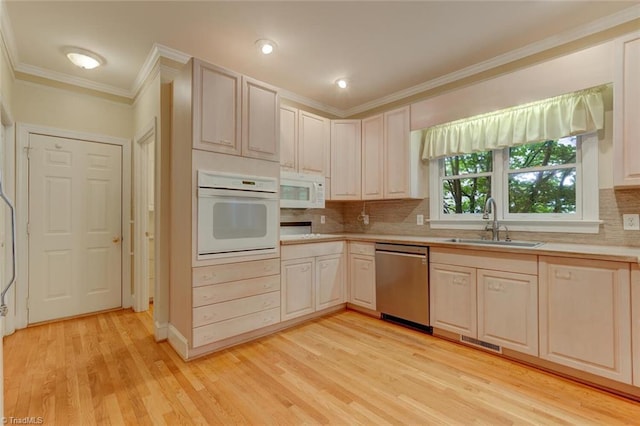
(362, 275)
(233, 299)
(495, 306)
(585, 316)
(313, 278)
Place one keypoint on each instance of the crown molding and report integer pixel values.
(157, 51)
(311, 103)
(594, 27)
(6, 33)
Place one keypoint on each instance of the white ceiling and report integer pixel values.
(384, 48)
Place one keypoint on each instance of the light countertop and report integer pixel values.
(615, 253)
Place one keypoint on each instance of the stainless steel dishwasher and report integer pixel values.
(402, 284)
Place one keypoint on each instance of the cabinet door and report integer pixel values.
(313, 144)
(288, 139)
(626, 126)
(216, 109)
(508, 310)
(396, 153)
(330, 281)
(635, 326)
(260, 120)
(346, 149)
(585, 317)
(362, 281)
(453, 298)
(297, 288)
(372, 154)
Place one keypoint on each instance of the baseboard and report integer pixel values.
(178, 342)
(161, 331)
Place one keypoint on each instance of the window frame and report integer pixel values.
(585, 220)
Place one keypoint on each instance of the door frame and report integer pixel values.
(8, 185)
(141, 216)
(23, 131)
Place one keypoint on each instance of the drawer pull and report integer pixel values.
(305, 269)
(563, 275)
(495, 286)
(266, 285)
(267, 303)
(365, 266)
(207, 277)
(459, 281)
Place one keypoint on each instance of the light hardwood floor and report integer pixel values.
(343, 369)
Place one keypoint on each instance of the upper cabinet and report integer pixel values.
(397, 153)
(304, 142)
(216, 108)
(626, 110)
(372, 157)
(288, 139)
(346, 150)
(313, 144)
(232, 114)
(260, 120)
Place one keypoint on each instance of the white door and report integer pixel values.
(75, 250)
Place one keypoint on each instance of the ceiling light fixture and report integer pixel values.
(265, 46)
(83, 58)
(342, 83)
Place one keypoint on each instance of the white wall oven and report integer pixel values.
(301, 191)
(237, 215)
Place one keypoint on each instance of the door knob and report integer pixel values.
(116, 240)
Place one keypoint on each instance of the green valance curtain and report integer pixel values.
(553, 118)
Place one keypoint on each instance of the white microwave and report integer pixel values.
(301, 191)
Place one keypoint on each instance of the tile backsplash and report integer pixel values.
(399, 217)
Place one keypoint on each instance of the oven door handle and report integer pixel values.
(213, 192)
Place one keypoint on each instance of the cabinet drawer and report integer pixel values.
(235, 326)
(299, 251)
(216, 293)
(507, 262)
(235, 308)
(362, 248)
(235, 271)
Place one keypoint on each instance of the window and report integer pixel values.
(537, 186)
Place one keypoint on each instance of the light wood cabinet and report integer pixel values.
(453, 298)
(297, 288)
(372, 157)
(346, 149)
(362, 275)
(397, 153)
(234, 298)
(330, 281)
(232, 114)
(626, 110)
(216, 108)
(635, 322)
(313, 278)
(497, 305)
(313, 144)
(585, 315)
(508, 310)
(288, 139)
(260, 120)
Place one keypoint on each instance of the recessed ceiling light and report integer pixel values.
(342, 83)
(265, 46)
(83, 58)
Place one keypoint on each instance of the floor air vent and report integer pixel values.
(480, 343)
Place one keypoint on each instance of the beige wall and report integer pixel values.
(53, 107)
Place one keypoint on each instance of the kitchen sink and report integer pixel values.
(525, 244)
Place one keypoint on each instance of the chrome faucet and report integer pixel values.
(495, 229)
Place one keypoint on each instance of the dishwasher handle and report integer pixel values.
(401, 248)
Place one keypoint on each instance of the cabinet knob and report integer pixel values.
(563, 275)
(459, 281)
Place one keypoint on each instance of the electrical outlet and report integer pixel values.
(631, 222)
(420, 219)
(365, 219)
(323, 220)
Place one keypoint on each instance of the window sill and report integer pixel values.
(565, 226)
